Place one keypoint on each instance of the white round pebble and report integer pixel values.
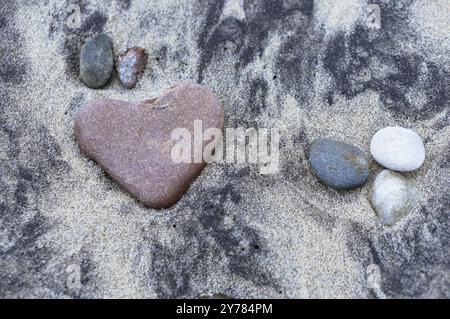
(392, 196)
(398, 148)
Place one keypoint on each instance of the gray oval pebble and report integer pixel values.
(337, 164)
(96, 61)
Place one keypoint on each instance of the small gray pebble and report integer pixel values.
(96, 61)
(337, 164)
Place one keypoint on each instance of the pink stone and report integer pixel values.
(132, 141)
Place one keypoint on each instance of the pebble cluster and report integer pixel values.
(97, 63)
(111, 132)
(342, 166)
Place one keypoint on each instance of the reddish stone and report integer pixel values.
(130, 66)
(132, 141)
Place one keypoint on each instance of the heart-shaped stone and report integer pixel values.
(133, 142)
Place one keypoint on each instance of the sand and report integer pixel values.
(309, 69)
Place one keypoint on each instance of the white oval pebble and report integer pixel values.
(398, 148)
(392, 196)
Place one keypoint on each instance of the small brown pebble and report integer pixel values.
(132, 141)
(130, 66)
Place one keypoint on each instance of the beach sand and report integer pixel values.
(309, 69)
